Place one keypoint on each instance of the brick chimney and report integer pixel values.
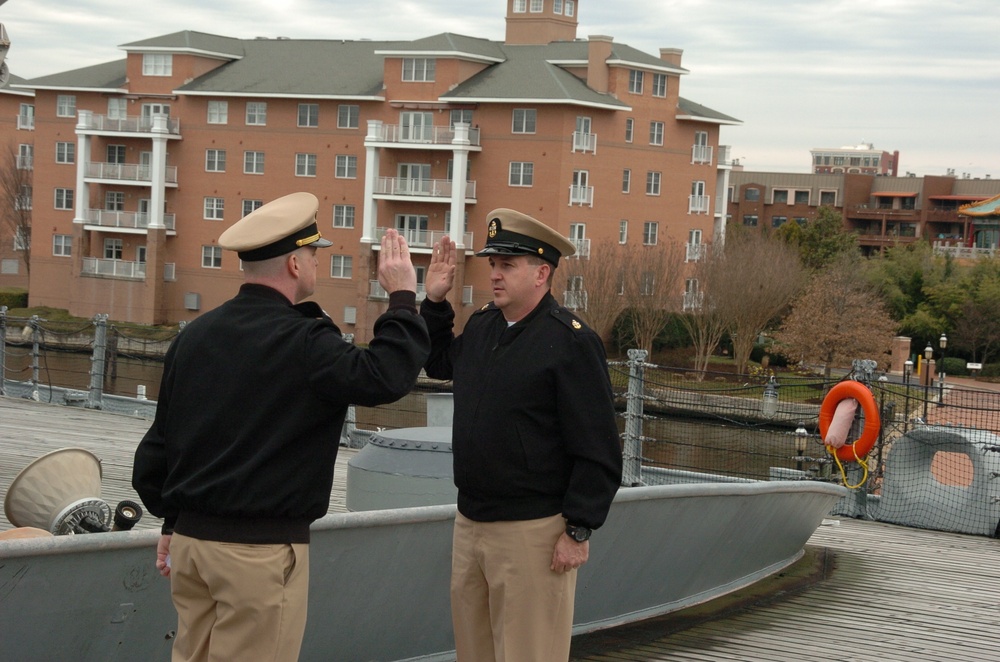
(672, 55)
(598, 52)
(540, 28)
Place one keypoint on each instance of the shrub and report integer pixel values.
(991, 370)
(953, 365)
(13, 298)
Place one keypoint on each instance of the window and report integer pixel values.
(622, 231)
(341, 266)
(64, 198)
(570, 7)
(117, 108)
(256, 113)
(113, 249)
(752, 195)
(802, 220)
(215, 160)
(520, 6)
(26, 117)
(116, 153)
(253, 163)
(347, 167)
(778, 221)
(62, 245)
(214, 208)
(305, 165)
(157, 64)
(418, 69)
(464, 116)
(218, 112)
(343, 216)
(65, 152)
(308, 114)
(635, 81)
(647, 283)
(25, 157)
(626, 180)
(22, 238)
(23, 200)
(211, 257)
(416, 126)
(698, 202)
(659, 85)
(249, 206)
(656, 133)
(779, 196)
(750, 220)
(522, 173)
(652, 183)
(524, 120)
(348, 116)
(629, 128)
(114, 201)
(802, 197)
(537, 6)
(66, 105)
(828, 198)
(650, 230)
(557, 6)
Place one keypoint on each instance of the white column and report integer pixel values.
(460, 146)
(159, 171)
(369, 211)
(84, 121)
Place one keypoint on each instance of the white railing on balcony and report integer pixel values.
(114, 268)
(26, 122)
(581, 195)
(25, 163)
(128, 124)
(964, 252)
(695, 252)
(693, 300)
(430, 188)
(427, 135)
(425, 238)
(582, 247)
(701, 154)
(725, 155)
(575, 299)
(584, 142)
(698, 204)
(127, 172)
(376, 291)
(125, 219)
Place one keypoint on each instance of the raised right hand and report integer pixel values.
(395, 269)
(440, 277)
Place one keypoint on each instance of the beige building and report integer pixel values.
(141, 163)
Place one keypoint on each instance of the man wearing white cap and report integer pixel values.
(535, 442)
(239, 459)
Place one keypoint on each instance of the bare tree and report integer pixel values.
(650, 284)
(702, 317)
(594, 286)
(838, 318)
(15, 201)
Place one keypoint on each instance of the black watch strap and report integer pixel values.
(578, 533)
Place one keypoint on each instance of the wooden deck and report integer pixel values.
(864, 592)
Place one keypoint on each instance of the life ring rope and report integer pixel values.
(859, 449)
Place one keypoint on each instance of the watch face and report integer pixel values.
(579, 533)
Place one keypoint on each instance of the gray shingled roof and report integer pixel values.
(106, 76)
(687, 107)
(189, 41)
(449, 42)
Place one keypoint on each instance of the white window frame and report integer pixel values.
(22, 238)
(117, 108)
(305, 165)
(557, 6)
(251, 205)
(63, 199)
(635, 80)
(570, 8)
(654, 179)
(656, 133)
(650, 233)
(218, 112)
(307, 115)
(521, 173)
(256, 113)
(62, 245)
(347, 167)
(623, 231)
(536, 6)
(114, 201)
(629, 129)
(343, 216)
(211, 257)
(520, 6)
(157, 64)
(521, 118)
(627, 180)
(66, 152)
(348, 116)
(66, 105)
(253, 162)
(342, 267)
(215, 160)
(214, 208)
(114, 248)
(660, 85)
(419, 69)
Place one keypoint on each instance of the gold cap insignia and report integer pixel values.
(577, 325)
(493, 228)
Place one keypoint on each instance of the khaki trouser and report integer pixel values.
(238, 601)
(506, 605)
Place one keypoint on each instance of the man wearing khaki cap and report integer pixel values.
(535, 442)
(239, 459)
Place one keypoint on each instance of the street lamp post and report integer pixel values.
(801, 437)
(943, 342)
(928, 360)
(907, 373)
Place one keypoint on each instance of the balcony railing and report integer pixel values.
(695, 252)
(693, 300)
(427, 135)
(965, 252)
(128, 124)
(429, 188)
(725, 155)
(575, 299)
(123, 269)
(584, 142)
(581, 195)
(26, 122)
(701, 154)
(697, 204)
(25, 163)
(582, 247)
(424, 238)
(125, 219)
(128, 172)
(376, 291)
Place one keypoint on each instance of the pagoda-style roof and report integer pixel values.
(988, 207)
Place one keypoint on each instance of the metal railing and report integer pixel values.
(430, 188)
(424, 238)
(127, 172)
(701, 154)
(127, 124)
(694, 252)
(584, 142)
(26, 122)
(698, 204)
(581, 195)
(428, 135)
(125, 219)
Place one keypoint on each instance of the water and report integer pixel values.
(72, 370)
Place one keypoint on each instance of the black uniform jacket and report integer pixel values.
(535, 432)
(252, 402)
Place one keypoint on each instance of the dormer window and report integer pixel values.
(418, 69)
(157, 64)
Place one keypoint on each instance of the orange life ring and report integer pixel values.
(852, 389)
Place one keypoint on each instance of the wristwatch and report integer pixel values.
(578, 533)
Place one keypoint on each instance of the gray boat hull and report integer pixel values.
(379, 579)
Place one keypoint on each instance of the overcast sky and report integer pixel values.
(918, 76)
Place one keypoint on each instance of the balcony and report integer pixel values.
(695, 252)
(584, 142)
(128, 124)
(25, 163)
(581, 195)
(125, 220)
(693, 300)
(439, 189)
(575, 299)
(421, 136)
(701, 154)
(26, 122)
(881, 211)
(123, 269)
(127, 172)
(964, 252)
(424, 238)
(582, 247)
(697, 204)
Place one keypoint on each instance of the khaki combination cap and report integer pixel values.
(277, 228)
(510, 232)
